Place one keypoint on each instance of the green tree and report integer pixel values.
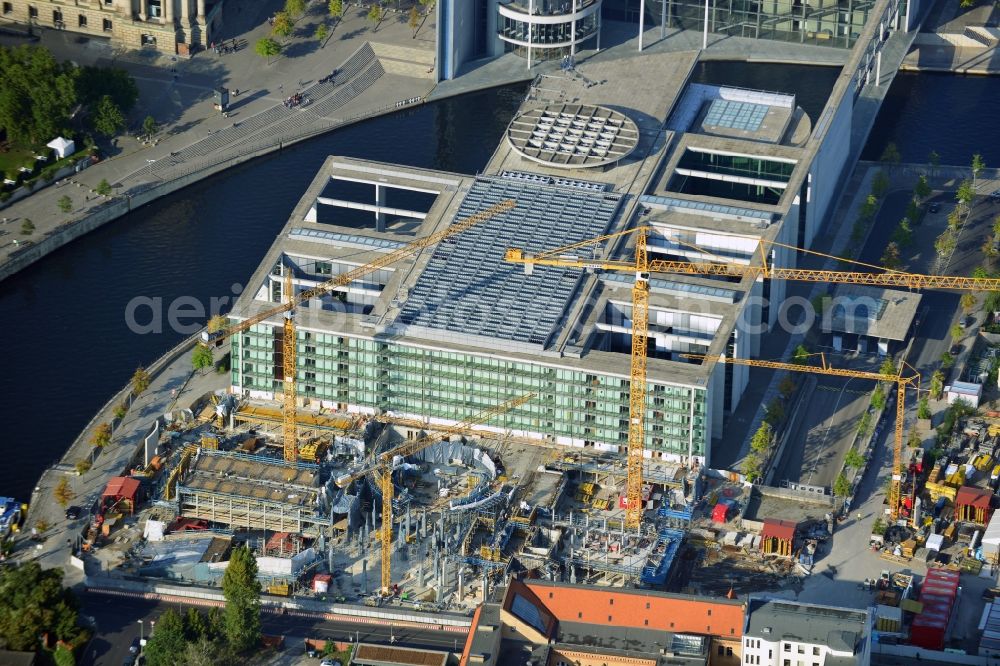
(890, 257)
(888, 367)
(913, 215)
(336, 9)
(120, 411)
(63, 493)
(923, 409)
(854, 459)
(83, 466)
(934, 159)
(167, 643)
(922, 189)
(914, 440)
(27, 227)
(149, 126)
(375, 16)
(880, 184)
(322, 32)
(103, 188)
(108, 118)
(841, 486)
(956, 333)
(786, 387)
(35, 602)
(945, 244)
(242, 592)
(752, 467)
(762, 439)
(95, 83)
(216, 323)
(65, 203)
(878, 397)
(801, 355)
(295, 8)
(947, 360)
(101, 436)
(977, 167)
(903, 235)
(989, 250)
(968, 302)
(282, 26)
(965, 194)
(891, 154)
(955, 219)
(140, 380)
(774, 412)
(868, 207)
(37, 94)
(63, 657)
(267, 48)
(201, 357)
(206, 652)
(996, 226)
(195, 625)
(937, 384)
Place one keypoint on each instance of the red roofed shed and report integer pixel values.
(973, 505)
(778, 536)
(121, 489)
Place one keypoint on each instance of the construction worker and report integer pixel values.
(859, 516)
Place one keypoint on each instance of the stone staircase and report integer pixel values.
(983, 35)
(406, 60)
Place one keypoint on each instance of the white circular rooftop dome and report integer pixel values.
(573, 136)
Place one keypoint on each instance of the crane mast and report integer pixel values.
(383, 468)
(642, 266)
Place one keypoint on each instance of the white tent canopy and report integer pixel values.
(991, 538)
(63, 147)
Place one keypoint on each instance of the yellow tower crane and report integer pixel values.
(910, 380)
(642, 266)
(384, 466)
(292, 299)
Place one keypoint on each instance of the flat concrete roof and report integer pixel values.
(775, 620)
(886, 314)
(233, 474)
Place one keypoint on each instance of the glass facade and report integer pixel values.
(388, 376)
(823, 22)
(547, 26)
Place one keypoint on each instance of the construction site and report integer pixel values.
(438, 381)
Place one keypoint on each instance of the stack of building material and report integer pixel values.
(778, 536)
(973, 505)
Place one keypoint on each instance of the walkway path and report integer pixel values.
(174, 384)
(196, 139)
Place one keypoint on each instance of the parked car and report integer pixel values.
(995, 195)
(73, 512)
(134, 647)
(934, 207)
(955, 350)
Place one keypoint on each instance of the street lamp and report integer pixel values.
(142, 626)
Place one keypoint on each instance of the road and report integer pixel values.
(825, 431)
(118, 622)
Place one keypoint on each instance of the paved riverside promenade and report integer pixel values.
(379, 70)
(944, 43)
(175, 385)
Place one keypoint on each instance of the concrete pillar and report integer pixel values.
(704, 39)
(186, 15)
(143, 10)
(201, 11)
(168, 12)
(572, 33)
(379, 201)
(642, 20)
(878, 68)
(663, 18)
(531, 12)
(486, 587)
(364, 576)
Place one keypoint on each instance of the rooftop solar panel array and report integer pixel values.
(735, 115)
(468, 289)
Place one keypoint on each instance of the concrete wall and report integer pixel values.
(827, 170)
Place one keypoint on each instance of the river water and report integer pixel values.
(67, 345)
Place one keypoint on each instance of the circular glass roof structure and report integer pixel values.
(573, 136)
